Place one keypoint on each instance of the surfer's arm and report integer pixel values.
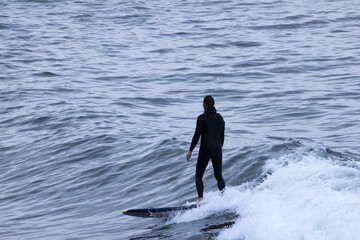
(223, 134)
(197, 134)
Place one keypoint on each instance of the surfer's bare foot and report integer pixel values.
(199, 200)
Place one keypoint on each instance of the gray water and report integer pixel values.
(99, 101)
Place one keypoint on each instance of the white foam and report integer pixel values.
(305, 197)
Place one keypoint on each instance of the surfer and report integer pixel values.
(211, 127)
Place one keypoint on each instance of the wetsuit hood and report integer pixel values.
(210, 110)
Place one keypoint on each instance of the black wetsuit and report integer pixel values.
(211, 127)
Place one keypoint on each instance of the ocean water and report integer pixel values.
(99, 101)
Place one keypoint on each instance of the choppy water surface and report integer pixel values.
(99, 101)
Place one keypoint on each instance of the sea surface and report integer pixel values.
(99, 101)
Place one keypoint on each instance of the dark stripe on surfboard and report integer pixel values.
(157, 212)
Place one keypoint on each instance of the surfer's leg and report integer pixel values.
(216, 160)
(201, 165)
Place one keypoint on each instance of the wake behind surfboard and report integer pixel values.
(157, 212)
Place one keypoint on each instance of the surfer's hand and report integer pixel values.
(188, 156)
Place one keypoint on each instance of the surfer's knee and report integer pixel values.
(198, 177)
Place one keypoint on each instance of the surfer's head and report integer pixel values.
(208, 102)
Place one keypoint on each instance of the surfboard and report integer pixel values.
(157, 212)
